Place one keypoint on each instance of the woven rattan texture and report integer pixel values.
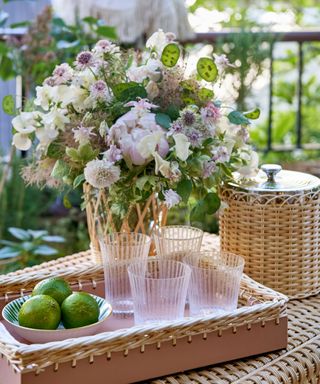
(259, 305)
(279, 237)
(138, 219)
(300, 364)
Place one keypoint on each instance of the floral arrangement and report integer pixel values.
(136, 124)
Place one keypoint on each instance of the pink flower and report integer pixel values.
(84, 60)
(208, 168)
(220, 154)
(222, 62)
(62, 74)
(210, 113)
(141, 105)
(99, 90)
(113, 154)
(82, 134)
(171, 198)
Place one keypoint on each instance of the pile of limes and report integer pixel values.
(53, 301)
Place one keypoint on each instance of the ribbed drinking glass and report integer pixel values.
(176, 241)
(159, 289)
(215, 281)
(118, 251)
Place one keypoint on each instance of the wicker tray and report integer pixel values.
(138, 353)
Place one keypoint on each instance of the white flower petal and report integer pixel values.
(182, 146)
(148, 144)
(21, 141)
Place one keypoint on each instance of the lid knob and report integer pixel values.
(271, 170)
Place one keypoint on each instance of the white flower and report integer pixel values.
(56, 118)
(24, 122)
(21, 141)
(252, 162)
(46, 136)
(222, 62)
(84, 78)
(162, 166)
(148, 144)
(158, 40)
(62, 73)
(101, 173)
(105, 46)
(171, 198)
(152, 90)
(221, 154)
(103, 128)
(46, 95)
(82, 134)
(182, 146)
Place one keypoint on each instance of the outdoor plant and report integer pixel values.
(29, 248)
(136, 125)
(48, 41)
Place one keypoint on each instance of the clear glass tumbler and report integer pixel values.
(118, 251)
(121, 246)
(176, 241)
(215, 281)
(159, 289)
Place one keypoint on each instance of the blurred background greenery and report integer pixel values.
(49, 40)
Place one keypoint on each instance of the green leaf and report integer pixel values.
(37, 234)
(78, 180)
(132, 93)
(9, 243)
(212, 202)
(143, 180)
(170, 55)
(184, 189)
(90, 20)
(54, 239)
(252, 115)
(66, 202)
(118, 89)
(207, 69)
(106, 31)
(19, 233)
(20, 24)
(173, 112)
(86, 153)
(205, 94)
(8, 105)
(72, 153)
(44, 250)
(60, 170)
(6, 68)
(55, 151)
(163, 120)
(236, 117)
(8, 253)
(198, 212)
(188, 100)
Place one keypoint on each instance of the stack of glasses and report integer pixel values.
(154, 289)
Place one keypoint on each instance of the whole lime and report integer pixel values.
(79, 309)
(55, 287)
(40, 312)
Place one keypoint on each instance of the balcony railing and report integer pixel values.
(300, 37)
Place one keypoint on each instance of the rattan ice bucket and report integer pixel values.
(274, 223)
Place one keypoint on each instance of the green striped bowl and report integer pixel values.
(10, 314)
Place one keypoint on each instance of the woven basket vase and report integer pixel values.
(142, 218)
(278, 235)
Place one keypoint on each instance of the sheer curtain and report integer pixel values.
(132, 18)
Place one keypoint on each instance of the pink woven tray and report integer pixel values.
(125, 354)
